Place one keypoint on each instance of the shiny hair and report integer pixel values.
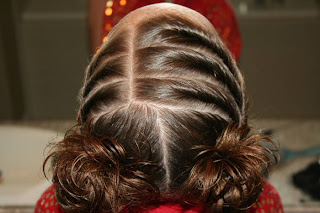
(163, 117)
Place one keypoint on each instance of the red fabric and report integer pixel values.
(218, 12)
(268, 201)
(47, 202)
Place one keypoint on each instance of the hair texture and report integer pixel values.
(163, 116)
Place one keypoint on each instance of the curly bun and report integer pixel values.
(230, 174)
(94, 175)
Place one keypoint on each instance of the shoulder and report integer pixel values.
(47, 202)
(269, 200)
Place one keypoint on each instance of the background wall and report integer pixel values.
(281, 64)
(280, 58)
(5, 106)
(53, 57)
(52, 54)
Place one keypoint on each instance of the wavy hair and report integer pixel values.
(163, 117)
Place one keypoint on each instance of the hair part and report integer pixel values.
(163, 116)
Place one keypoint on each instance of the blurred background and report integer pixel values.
(44, 50)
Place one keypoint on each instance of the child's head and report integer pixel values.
(162, 116)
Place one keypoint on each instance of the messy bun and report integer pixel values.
(230, 173)
(163, 117)
(95, 175)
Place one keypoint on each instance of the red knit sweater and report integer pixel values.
(268, 201)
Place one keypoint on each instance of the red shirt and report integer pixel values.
(268, 201)
(218, 12)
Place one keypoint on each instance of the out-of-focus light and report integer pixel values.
(243, 8)
(107, 27)
(105, 38)
(97, 50)
(108, 11)
(123, 2)
(109, 4)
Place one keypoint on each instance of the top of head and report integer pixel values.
(151, 11)
(160, 85)
(195, 32)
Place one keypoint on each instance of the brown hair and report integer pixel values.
(163, 117)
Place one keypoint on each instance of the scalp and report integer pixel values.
(133, 19)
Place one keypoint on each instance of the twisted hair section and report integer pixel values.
(163, 116)
(192, 52)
